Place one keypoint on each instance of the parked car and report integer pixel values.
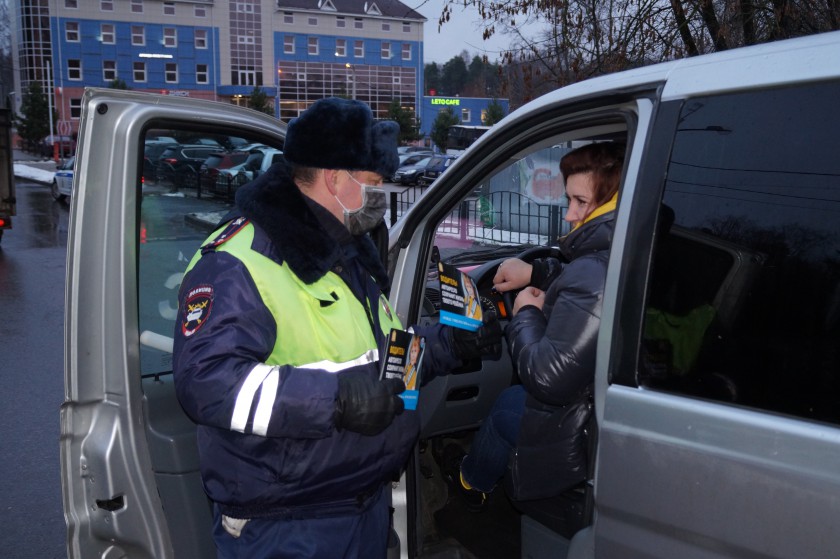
(62, 184)
(66, 145)
(715, 430)
(258, 161)
(178, 165)
(216, 162)
(409, 175)
(407, 159)
(152, 151)
(412, 149)
(435, 167)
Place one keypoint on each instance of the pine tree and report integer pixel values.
(259, 102)
(33, 122)
(440, 128)
(405, 118)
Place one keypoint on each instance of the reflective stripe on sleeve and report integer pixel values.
(268, 377)
(245, 398)
(370, 356)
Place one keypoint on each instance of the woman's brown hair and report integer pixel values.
(604, 160)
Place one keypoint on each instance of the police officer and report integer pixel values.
(281, 319)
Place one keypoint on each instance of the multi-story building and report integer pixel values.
(296, 51)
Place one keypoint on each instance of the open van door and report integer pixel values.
(130, 478)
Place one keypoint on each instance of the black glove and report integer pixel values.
(366, 405)
(484, 342)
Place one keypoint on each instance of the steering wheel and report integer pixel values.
(502, 303)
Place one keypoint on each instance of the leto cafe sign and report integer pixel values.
(448, 101)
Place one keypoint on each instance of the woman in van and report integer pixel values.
(552, 339)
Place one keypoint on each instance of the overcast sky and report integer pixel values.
(459, 33)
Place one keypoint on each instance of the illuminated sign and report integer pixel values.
(154, 55)
(445, 101)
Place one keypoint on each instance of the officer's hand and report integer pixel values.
(484, 342)
(366, 405)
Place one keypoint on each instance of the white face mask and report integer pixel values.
(365, 217)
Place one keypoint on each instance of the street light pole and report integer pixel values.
(353, 70)
(279, 106)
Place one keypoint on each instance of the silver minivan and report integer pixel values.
(717, 387)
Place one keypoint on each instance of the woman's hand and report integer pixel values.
(513, 273)
(529, 296)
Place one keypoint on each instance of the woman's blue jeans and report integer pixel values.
(488, 458)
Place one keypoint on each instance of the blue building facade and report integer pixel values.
(295, 51)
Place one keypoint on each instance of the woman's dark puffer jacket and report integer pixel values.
(553, 351)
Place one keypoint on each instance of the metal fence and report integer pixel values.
(500, 217)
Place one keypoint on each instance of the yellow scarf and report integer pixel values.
(607, 206)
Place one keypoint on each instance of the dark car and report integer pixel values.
(151, 153)
(179, 165)
(409, 175)
(407, 159)
(436, 166)
(209, 171)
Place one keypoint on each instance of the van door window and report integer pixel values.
(744, 298)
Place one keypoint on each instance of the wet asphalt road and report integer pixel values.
(32, 263)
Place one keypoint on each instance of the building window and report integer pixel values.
(289, 44)
(359, 49)
(140, 71)
(386, 50)
(171, 73)
(169, 8)
(170, 37)
(201, 74)
(288, 18)
(138, 35)
(406, 27)
(71, 31)
(76, 108)
(106, 5)
(109, 70)
(340, 22)
(313, 45)
(200, 11)
(201, 38)
(244, 8)
(466, 115)
(358, 23)
(246, 40)
(107, 32)
(71, 4)
(137, 7)
(74, 69)
(340, 47)
(386, 27)
(406, 51)
(313, 21)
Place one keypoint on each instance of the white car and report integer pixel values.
(716, 425)
(62, 184)
(260, 159)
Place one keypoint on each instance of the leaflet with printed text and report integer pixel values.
(403, 357)
(459, 306)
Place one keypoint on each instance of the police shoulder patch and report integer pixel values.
(232, 229)
(196, 309)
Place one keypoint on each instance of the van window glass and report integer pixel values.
(744, 300)
(182, 199)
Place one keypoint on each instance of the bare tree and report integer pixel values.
(585, 38)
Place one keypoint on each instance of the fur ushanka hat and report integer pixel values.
(335, 133)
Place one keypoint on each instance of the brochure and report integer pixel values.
(460, 306)
(403, 357)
